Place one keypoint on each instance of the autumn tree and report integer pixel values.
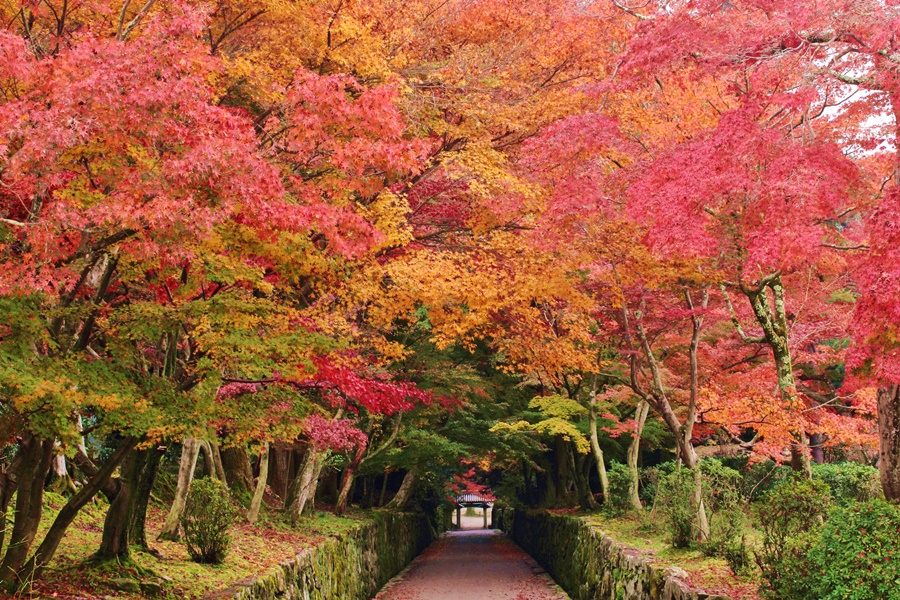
(823, 70)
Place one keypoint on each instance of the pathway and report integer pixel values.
(473, 564)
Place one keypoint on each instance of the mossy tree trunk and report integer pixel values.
(583, 481)
(771, 316)
(404, 494)
(260, 491)
(303, 488)
(595, 442)
(384, 483)
(42, 556)
(189, 451)
(347, 483)
(37, 453)
(212, 460)
(238, 471)
(280, 469)
(7, 490)
(124, 525)
(634, 450)
(61, 481)
(563, 472)
(137, 521)
(545, 485)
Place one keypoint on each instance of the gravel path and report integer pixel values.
(473, 564)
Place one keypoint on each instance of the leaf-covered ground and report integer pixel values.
(710, 574)
(255, 549)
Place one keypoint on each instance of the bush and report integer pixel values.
(721, 485)
(858, 558)
(722, 500)
(849, 482)
(790, 518)
(650, 477)
(737, 555)
(206, 520)
(759, 478)
(725, 511)
(619, 500)
(674, 499)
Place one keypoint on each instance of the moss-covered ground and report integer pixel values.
(255, 549)
(648, 536)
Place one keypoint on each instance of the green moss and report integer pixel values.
(589, 557)
(352, 565)
(268, 556)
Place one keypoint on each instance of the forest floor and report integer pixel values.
(709, 574)
(169, 572)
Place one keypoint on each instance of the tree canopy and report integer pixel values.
(438, 235)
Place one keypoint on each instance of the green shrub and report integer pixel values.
(759, 478)
(737, 555)
(858, 557)
(849, 482)
(207, 518)
(721, 485)
(619, 500)
(725, 512)
(674, 500)
(650, 477)
(722, 499)
(726, 529)
(790, 518)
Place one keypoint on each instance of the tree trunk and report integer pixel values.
(303, 488)
(8, 483)
(368, 492)
(137, 522)
(212, 460)
(818, 453)
(688, 454)
(217, 461)
(595, 447)
(125, 518)
(547, 490)
(238, 471)
(774, 323)
(260, 491)
(37, 455)
(640, 418)
(347, 483)
(69, 511)
(702, 520)
(60, 480)
(562, 472)
(404, 494)
(279, 470)
(328, 486)
(528, 475)
(172, 528)
(384, 483)
(889, 441)
(800, 460)
(583, 481)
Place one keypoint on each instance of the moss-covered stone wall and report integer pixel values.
(590, 565)
(350, 566)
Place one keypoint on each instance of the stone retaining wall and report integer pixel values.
(350, 566)
(590, 565)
